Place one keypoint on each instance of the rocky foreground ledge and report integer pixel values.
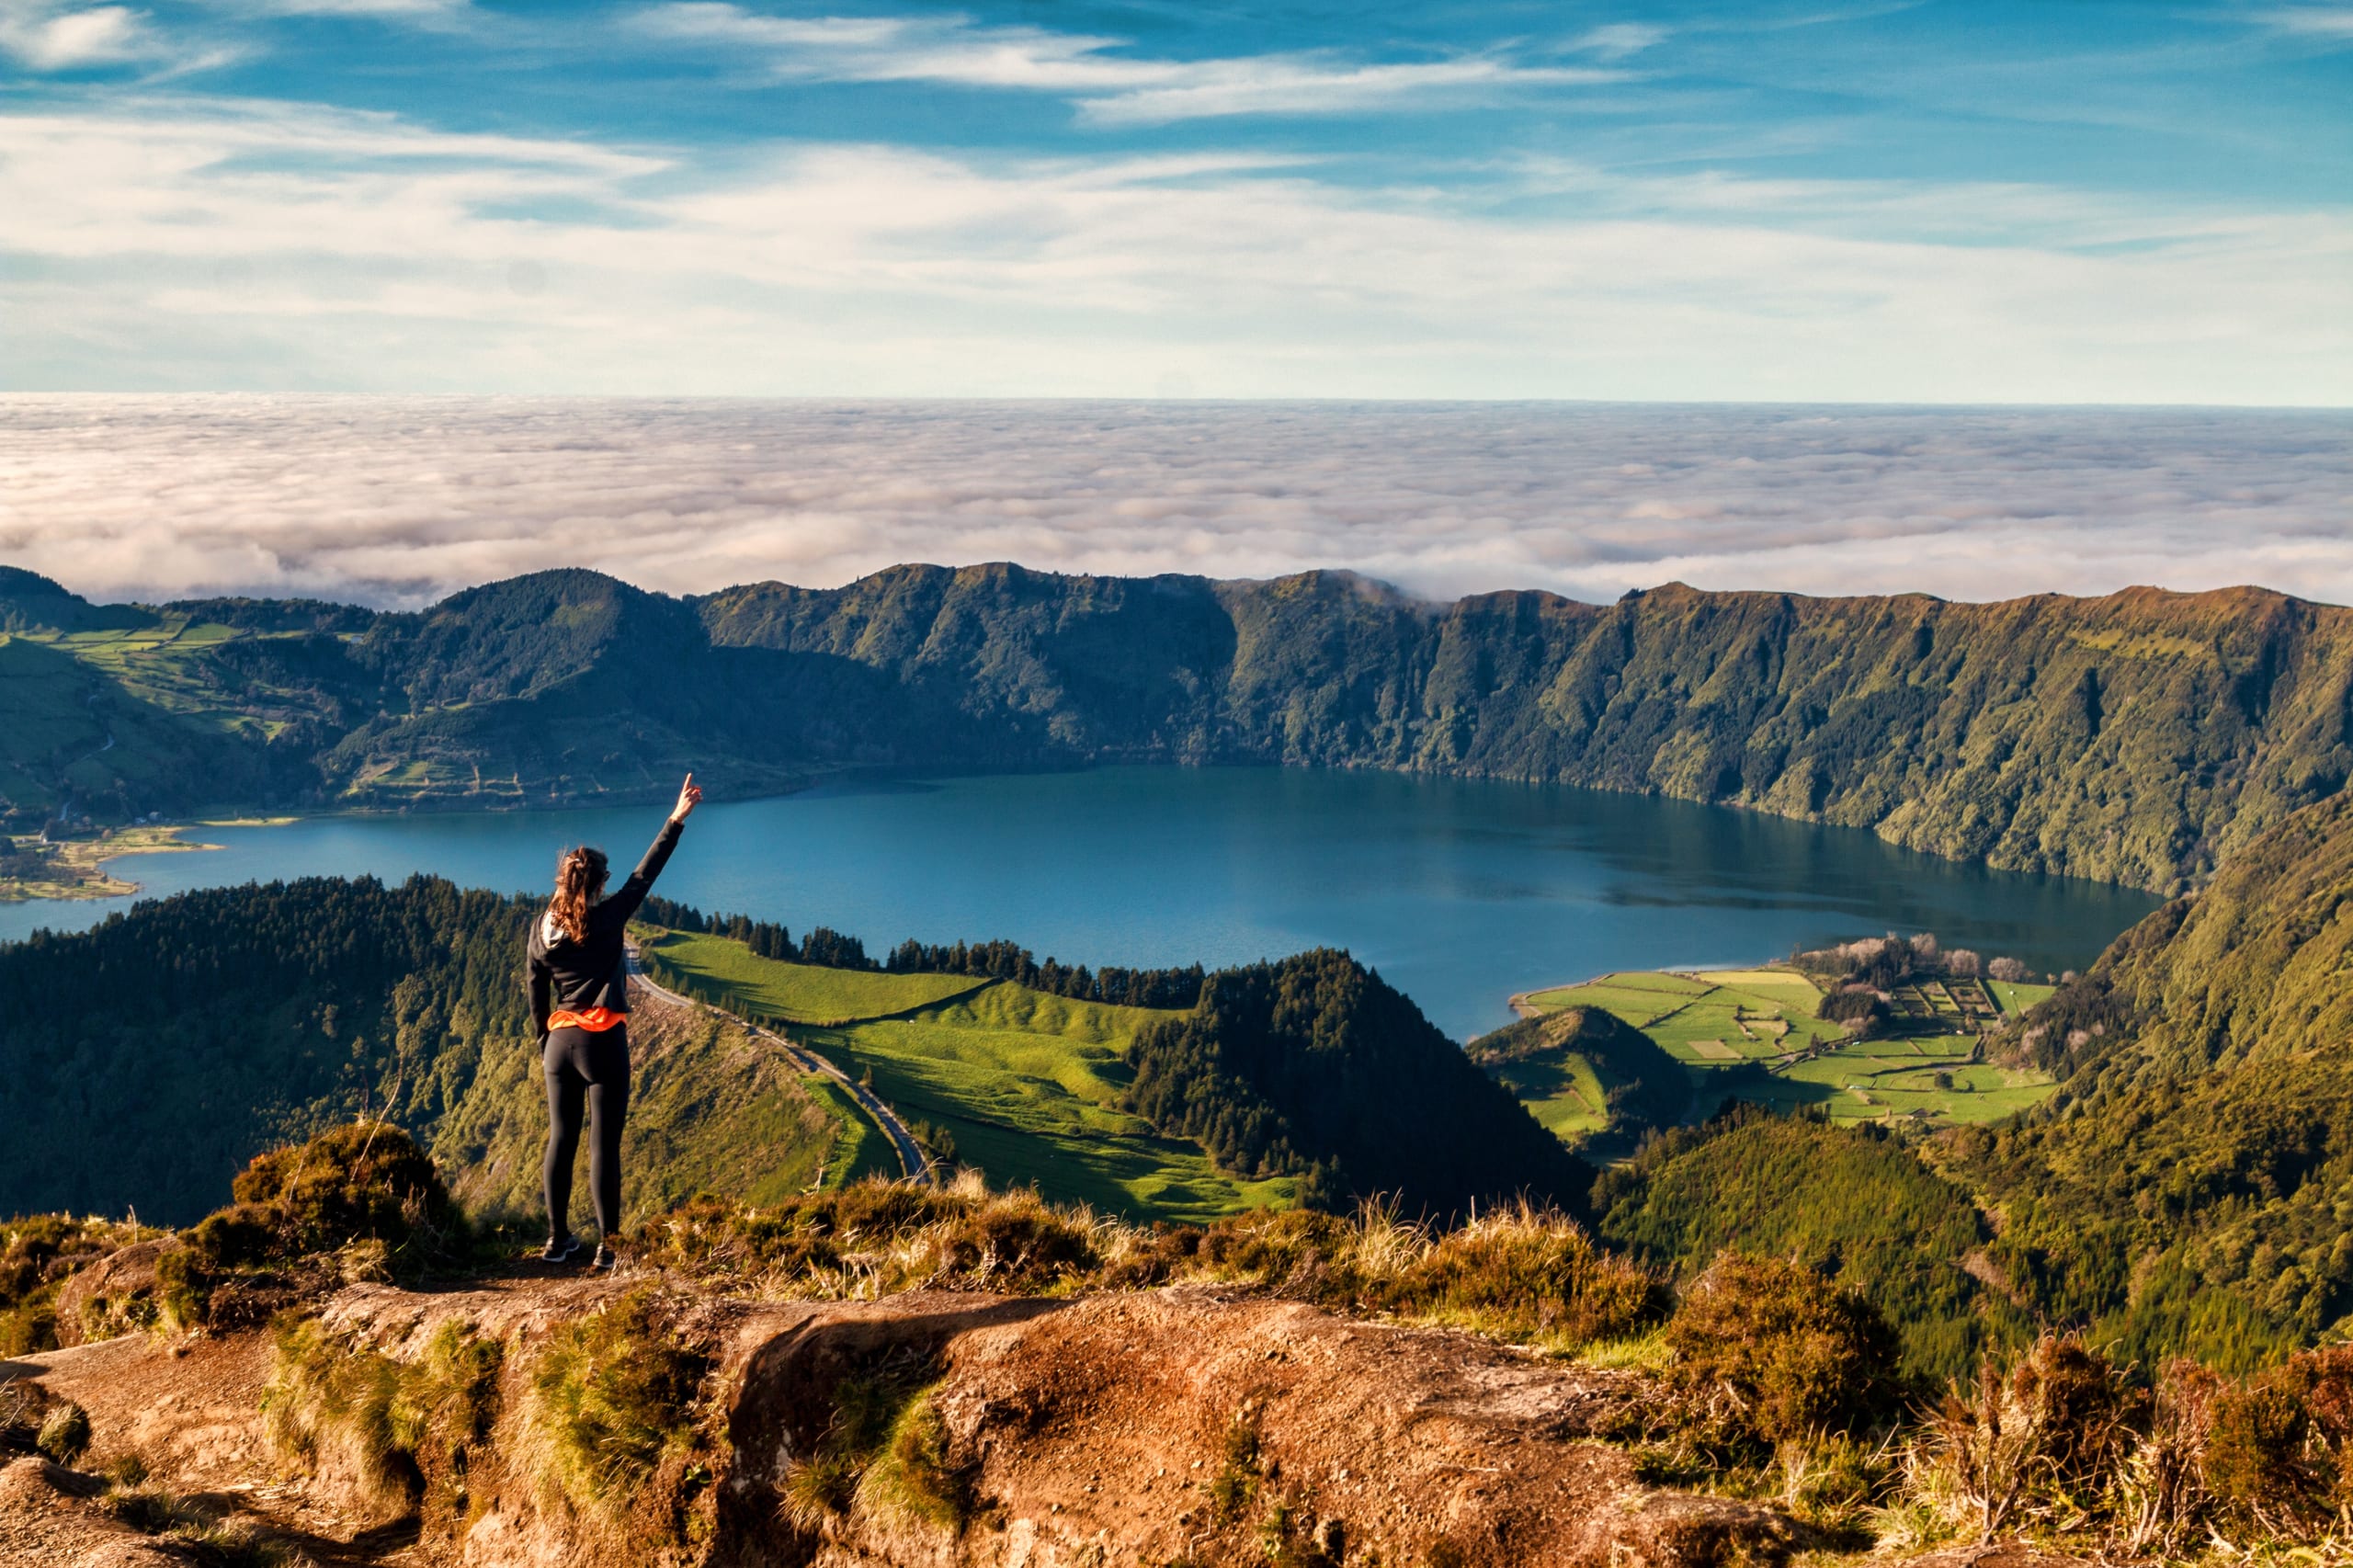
(1178, 1426)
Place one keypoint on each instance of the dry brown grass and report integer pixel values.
(1524, 1274)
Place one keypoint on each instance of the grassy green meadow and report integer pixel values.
(1928, 1066)
(2015, 997)
(799, 992)
(1027, 1082)
(1568, 1096)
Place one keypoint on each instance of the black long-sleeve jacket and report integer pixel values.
(594, 971)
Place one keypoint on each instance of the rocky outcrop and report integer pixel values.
(1172, 1425)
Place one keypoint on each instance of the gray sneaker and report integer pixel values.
(560, 1249)
(607, 1260)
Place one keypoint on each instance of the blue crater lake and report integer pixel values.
(1459, 891)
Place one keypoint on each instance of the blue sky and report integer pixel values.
(1954, 200)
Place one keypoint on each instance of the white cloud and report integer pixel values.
(1277, 85)
(402, 500)
(49, 37)
(420, 13)
(1618, 40)
(1109, 88)
(2312, 22)
(361, 7)
(171, 243)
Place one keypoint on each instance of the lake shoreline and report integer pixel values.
(95, 856)
(1455, 890)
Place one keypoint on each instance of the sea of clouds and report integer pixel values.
(398, 500)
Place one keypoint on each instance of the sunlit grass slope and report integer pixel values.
(1027, 1082)
(1567, 1095)
(2016, 996)
(799, 992)
(712, 1109)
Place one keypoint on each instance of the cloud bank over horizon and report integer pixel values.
(400, 502)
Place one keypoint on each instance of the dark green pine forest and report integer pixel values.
(1315, 1066)
(2137, 738)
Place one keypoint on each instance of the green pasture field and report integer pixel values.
(1027, 1082)
(1565, 1095)
(1710, 1019)
(732, 973)
(1869, 1081)
(1782, 987)
(2016, 996)
(1635, 997)
(158, 663)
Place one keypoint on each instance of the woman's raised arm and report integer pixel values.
(625, 900)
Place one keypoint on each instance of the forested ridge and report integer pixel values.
(1853, 1202)
(1314, 1066)
(144, 1061)
(2139, 737)
(1645, 1087)
(2192, 1183)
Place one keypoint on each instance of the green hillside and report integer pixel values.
(2138, 737)
(1851, 1201)
(1027, 1083)
(1584, 1071)
(146, 1060)
(2191, 1184)
(1305, 1079)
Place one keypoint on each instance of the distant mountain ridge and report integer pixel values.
(2138, 737)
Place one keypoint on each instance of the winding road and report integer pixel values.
(910, 1154)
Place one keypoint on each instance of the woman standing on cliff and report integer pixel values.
(580, 1005)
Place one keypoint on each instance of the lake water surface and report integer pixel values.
(1459, 892)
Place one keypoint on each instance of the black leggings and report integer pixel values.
(596, 1063)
